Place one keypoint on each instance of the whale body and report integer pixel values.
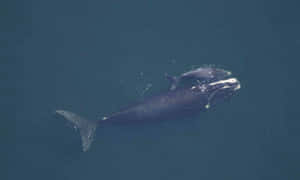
(173, 104)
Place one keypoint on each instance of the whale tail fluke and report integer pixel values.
(86, 127)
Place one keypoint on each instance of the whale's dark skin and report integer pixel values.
(173, 104)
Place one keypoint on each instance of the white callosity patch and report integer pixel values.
(202, 88)
(228, 81)
(207, 106)
(237, 87)
(231, 80)
(104, 118)
(193, 87)
(226, 86)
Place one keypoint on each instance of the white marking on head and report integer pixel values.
(231, 80)
(207, 106)
(226, 86)
(104, 118)
(237, 87)
(202, 88)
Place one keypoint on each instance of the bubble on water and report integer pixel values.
(148, 86)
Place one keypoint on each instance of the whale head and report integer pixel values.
(222, 89)
(218, 90)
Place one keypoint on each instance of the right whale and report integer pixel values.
(181, 102)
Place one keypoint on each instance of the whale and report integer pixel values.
(186, 101)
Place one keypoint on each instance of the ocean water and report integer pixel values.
(95, 57)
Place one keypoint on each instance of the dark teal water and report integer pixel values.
(94, 57)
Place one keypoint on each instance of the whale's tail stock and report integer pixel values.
(86, 127)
